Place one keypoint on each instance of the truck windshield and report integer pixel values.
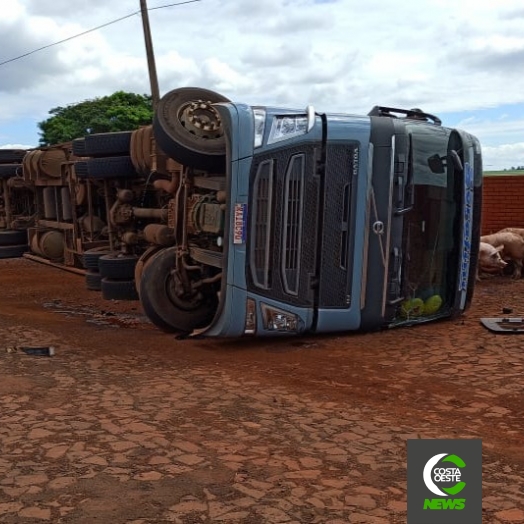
(430, 249)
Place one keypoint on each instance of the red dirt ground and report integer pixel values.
(128, 424)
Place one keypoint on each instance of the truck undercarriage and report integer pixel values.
(118, 208)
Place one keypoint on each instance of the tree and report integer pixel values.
(120, 111)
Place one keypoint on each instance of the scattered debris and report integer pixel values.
(510, 325)
(42, 351)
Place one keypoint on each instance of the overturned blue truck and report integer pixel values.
(289, 222)
(227, 220)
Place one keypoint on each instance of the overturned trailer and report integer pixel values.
(91, 203)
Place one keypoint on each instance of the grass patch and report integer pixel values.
(508, 172)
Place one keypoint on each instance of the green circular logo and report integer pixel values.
(444, 475)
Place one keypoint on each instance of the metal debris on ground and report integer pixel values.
(43, 351)
(509, 325)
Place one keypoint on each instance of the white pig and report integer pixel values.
(517, 230)
(490, 260)
(512, 248)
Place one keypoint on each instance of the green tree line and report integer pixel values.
(120, 111)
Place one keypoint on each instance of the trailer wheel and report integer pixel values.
(108, 144)
(117, 266)
(91, 256)
(118, 289)
(10, 170)
(13, 251)
(165, 304)
(7, 156)
(106, 167)
(93, 281)
(9, 237)
(188, 128)
(78, 146)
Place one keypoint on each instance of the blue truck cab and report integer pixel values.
(328, 223)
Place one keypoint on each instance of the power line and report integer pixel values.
(171, 5)
(94, 29)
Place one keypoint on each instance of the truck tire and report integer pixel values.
(8, 156)
(141, 263)
(188, 128)
(117, 267)
(93, 281)
(9, 237)
(164, 306)
(91, 256)
(108, 144)
(10, 170)
(118, 289)
(106, 167)
(13, 251)
(78, 146)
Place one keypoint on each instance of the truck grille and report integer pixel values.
(282, 244)
(261, 227)
(283, 224)
(292, 230)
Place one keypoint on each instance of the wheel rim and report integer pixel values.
(176, 294)
(201, 119)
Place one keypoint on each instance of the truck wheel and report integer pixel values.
(93, 281)
(10, 170)
(165, 304)
(108, 144)
(13, 251)
(78, 147)
(144, 259)
(9, 237)
(91, 256)
(188, 128)
(106, 167)
(117, 267)
(118, 289)
(8, 156)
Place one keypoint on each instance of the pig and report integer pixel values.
(517, 230)
(490, 260)
(512, 248)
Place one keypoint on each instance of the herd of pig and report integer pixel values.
(497, 249)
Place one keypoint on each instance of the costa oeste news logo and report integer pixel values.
(445, 481)
(433, 476)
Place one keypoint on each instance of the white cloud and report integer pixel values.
(504, 156)
(344, 55)
(15, 146)
(494, 131)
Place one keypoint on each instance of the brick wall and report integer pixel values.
(502, 202)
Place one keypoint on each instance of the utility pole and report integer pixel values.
(153, 79)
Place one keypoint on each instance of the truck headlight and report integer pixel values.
(250, 326)
(287, 126)
(260, 124)
(275, 319)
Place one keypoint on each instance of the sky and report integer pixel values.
(460, 60)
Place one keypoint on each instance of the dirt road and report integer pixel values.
(126, 424)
